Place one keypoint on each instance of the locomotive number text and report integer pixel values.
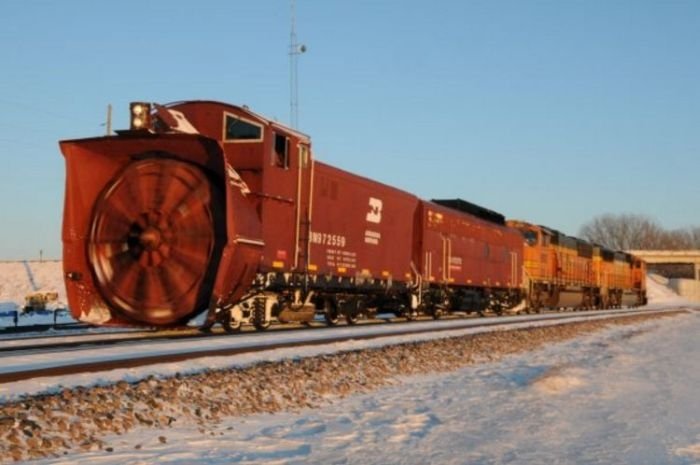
(334, 240)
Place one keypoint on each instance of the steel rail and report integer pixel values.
(93, 339)
(114, 338)
(133, 362)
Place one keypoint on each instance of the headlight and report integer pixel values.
(140, 115)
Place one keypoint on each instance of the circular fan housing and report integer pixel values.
(152, 240)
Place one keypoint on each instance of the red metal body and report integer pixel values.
(278, 184)
(463, 250)
(360, 227)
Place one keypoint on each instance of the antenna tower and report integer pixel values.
(295, 49)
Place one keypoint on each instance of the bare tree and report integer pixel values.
(624, 232)
(679, 239)
(630, 231)
(688, 238)
(694, 233)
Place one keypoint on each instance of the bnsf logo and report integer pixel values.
(375, 210)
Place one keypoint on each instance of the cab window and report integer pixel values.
(238, 129)
(281, 151)
(530, 238)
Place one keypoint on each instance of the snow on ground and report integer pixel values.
(660, 292)
(624, 395)
(17, 279)
(21, 278)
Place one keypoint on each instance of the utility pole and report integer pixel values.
(109, 119)
(295, 49)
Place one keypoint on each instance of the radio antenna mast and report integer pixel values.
(295, 49)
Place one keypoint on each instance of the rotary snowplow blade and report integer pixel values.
(150, 229)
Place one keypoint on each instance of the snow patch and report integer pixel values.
(689, 451)
(558, 381)
(413, 425)
(97, 315)
(660, 294)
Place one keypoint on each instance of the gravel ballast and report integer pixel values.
(79, 418)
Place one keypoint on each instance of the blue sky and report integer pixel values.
(550, 111)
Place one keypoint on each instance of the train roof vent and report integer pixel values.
(472, 209)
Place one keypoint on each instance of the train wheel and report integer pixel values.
(330, 312)
(152, 240)
(260, 320)
(353, 310)
(536, 301)
(231, 326)
(442, 307)
(351, 318)
(496, 308)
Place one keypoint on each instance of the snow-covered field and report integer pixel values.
(18, 279)
(624, 395)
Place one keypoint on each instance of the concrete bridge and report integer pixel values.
(676, 265)
(671, 257)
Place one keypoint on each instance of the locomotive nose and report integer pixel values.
(152, 238)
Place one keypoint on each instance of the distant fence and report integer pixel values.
(16, 315)
(30, 275)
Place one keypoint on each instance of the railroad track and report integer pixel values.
(57, 342)
(23, 364)
(104, 336)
